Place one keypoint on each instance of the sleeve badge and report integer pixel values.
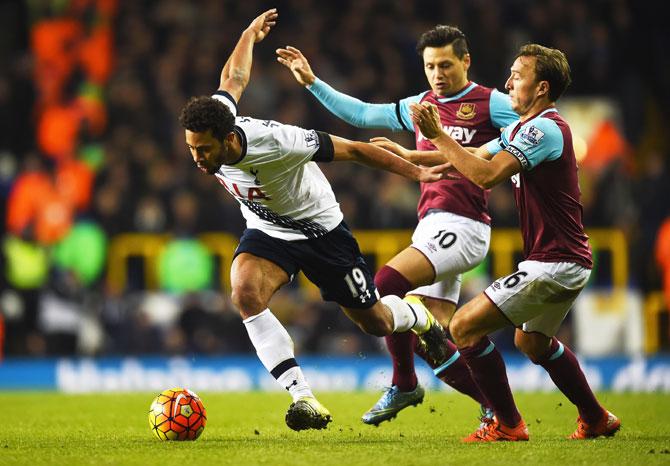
(531, 135)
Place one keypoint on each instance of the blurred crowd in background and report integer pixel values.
(90, 148)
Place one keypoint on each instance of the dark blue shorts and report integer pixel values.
(332, 262)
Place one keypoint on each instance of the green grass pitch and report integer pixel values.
(248, 428)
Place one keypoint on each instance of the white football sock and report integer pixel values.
(294, 381)
(274, 348)
(405, 316)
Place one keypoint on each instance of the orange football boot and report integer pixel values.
(607, 426)
(498, 432)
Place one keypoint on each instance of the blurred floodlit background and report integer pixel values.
(115, 245)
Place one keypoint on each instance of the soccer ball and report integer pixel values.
(177, 414)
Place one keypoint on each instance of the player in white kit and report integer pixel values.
(293, 223)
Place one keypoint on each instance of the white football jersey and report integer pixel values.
(281, 191)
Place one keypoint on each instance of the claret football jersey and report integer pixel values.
(472, 117)
(547, 189)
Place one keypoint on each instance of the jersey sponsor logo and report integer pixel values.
(241, 192)
(467, 111)
(457, 133)
(531, 135)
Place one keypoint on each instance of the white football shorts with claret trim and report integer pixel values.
(539, 295)
(453, 244)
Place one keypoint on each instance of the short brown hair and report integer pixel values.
(441, 36)
(551, 65)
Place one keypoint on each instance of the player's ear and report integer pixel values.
(230, 137)
(543, 88)
(466, 61)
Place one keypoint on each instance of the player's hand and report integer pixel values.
(448, 171)
(261, 26)
(294, 60)
(391, 146)
(430, 174)
(427, 118)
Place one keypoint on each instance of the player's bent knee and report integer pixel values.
(462, 332)
(247, 301)
(456, 329)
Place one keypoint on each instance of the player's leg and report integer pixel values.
(417, 319)
(454, 371)
(442, 309)
(259, 270)
(391, 314)
(443, 246)
(406, 271)
(563, 283)
(470, 328)
(564, 369)
(335, 264)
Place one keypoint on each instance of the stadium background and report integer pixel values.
(115, 249)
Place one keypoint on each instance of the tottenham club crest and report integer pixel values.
(531, 135)
(466, 111)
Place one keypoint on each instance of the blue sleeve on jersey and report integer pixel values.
(500, 109)
(496, 145)
(537, 141)
(404, 111)
(354, 111)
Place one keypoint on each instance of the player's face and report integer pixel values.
(446, 73)
(524, 89)
(208, 152)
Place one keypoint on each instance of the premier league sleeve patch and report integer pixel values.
(531, 135)
(311, 138)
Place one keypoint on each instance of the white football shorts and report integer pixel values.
(453, 244)
(538, 296)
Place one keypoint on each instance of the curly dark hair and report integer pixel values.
(551, 65)
(441, 36)
(204, 113)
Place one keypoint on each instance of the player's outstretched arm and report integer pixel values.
(429, 158)
(484, 173)
(376, 157)
(235, 73)
(350, 109)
